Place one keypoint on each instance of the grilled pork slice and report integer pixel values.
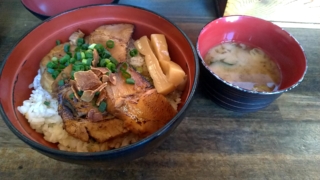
(77, 123)
(120, 90)
(120, 34)
(150, 113)
(143, 110)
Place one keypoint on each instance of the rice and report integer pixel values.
(45, 119)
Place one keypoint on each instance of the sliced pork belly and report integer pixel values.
(104, 130)
(120, 89)
(119, 33)
(140, 106)
(150, 113)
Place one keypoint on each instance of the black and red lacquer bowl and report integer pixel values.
(21, 64)
(281, 46)
(46, 8)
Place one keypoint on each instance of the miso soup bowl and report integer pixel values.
(282, 47)
(21, 65)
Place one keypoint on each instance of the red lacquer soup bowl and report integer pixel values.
(46, 8)
(281, 46)
(20, 67)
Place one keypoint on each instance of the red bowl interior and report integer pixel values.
(275, 41)
(22, 63)
(53, 7)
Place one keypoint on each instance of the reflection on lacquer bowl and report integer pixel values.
(20, 67)
(244, 31)
(46, 8)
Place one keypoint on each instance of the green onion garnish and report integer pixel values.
(71, 96)
(58, 42)
(50, 70)
(130, 81)
(91, 46)
(72, 60)
(102, 106)
(78, 56)
(61, 82)
(54, 59)
(80, 93)
(110, 44)
(102, 63)
(80, 41)
(66, 48)
(55, 74)
(82, 55)
(88, 54)
(84, 46)
(47, 103)
(113, 60)
(51, 65)
(133, 52)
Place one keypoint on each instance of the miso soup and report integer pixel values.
(247, 67)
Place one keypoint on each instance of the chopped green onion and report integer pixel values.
(113, 60)
(84, 46)
(61, 82)
(72, 74)
(78, 56)
(111, 67)
(55, 74)
(84, 61)
(62, 60)
(66, 48)
(72, 60)
(82, 68)
(80, 93)
(54, 59)
(102, 106)
(66, 64)
(83, 55)
(106, 54)
(125, 74)
(88, 54)
(97, 93)
(50, 70)
(110, 44)
(133, 52)
(58, 42)
(124, 67)
(71, 96)
(91, 46)
(80, 41)
(51, 65)
(130, 81)
(102, 63)
(47, 103)
(86, 68)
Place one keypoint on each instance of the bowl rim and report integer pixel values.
(107, 153)
(247, 90)
(45, 16)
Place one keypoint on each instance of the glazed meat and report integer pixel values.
(140, 106)
(119, 33)
(79, 126)
(149, 114)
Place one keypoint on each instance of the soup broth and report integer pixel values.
(247, 67)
